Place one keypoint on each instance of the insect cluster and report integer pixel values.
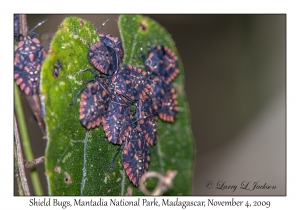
(126, 100)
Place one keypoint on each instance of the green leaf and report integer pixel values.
(175, 145)
(77, 160)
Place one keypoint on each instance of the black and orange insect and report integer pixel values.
(146, 121)
(164, 99)
(100, 58)
(107, 54)
(138, 85)
(115, 48)
(117, 124)
(28, 60)
(135, 156)
(94, 103)
(163, 62)
(169, 107)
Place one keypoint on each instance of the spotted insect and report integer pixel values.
(128, 91)
(163, 62)
(94, 103)
(100, 58)
(135, 156)
(107, 54)
(164, 99)
(170, 64)
(146, 121)
(116, 127)
(118, 84)
(169, 106)
(137, 82)
(122, 85)
(158, 92)
(28, 60)
(114, 45)
(117, 124)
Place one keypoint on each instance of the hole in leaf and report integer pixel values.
(55, 73)
(67, 178)
(143, 25)
(56, 69)
(57, 169)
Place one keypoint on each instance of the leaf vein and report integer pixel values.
(133, 46)
(160, 158)
(84, 163)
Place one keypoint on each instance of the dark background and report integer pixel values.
(235, 83)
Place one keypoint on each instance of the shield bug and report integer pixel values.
(138, 84)
(135, 156)
(164, 99)
(163, 62)
(116, 127)
(28, 60)
(169, 107)
(158, 92)
(118, 85)
(130, 93)
(94, 103)
(100, 58)
(146, 120)
(114, 46)
(117, 124)
(121, 84)
(113, 43)
(107, 54)
(170, 64)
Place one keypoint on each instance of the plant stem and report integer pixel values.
(19, 163)
(17, 174)
(23, 25)
(26, 142)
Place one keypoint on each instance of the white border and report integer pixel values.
(293, 91)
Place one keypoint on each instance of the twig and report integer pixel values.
(34, 162)
(23, 25)
(19, 163)
(164, 182)
(17, 174)
(129, 191)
